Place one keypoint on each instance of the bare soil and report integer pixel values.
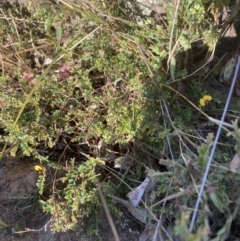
(21, 219)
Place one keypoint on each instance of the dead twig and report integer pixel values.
(109, 217)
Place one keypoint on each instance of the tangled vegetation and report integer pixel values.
(98, 92)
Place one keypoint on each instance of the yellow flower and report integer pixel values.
(39, 169)
(205, 100)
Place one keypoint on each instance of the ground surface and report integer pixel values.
(19, 211)
(18, 207)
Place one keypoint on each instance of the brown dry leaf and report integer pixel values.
(235, 164)
(148, 232)
(64, 72)
(136, 194)
(5, 64)
(29, 78)
(138, 213)
(228, 71)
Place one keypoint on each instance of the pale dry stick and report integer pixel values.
(187, 100)
(210, 72)
(176, 128)
(216, 121)
(19, 19)
(32, 43)
(27, 230)
(174, 196)
(85, 5)
(80, 41)
(185, 136)
(145, 206)
(128, 204)
(25, 50)
(109, 217)
(193, 73)
(2, 65)
(195, 107)
(124, 175)
(186, 163)
(16, 30)
(194, 216)
(10, 25)
(155, 236)
(173, 50)
(195, 136)
(15, 26)
(171, 37)
(171, 122)
(120, 201)
(145, 60)
(54, 177)
(163, 100)
(201, 138)
(90, 5)
(169, 144)
(159, 222)
(165, 104)
(64, 2)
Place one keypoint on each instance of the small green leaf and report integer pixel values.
(203, 149)
(2, 224)
(59, 33)
(228, 70)
(184, 42)
(202, 161)
(217, 201)
(173, 67)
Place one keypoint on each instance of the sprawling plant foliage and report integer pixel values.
(88, 81)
